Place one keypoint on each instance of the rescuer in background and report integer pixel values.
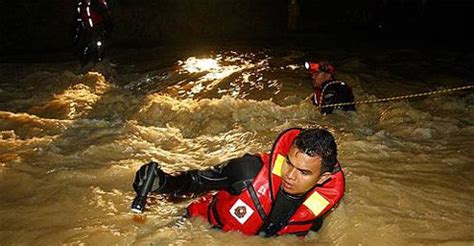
(327, 89)
(92, 30)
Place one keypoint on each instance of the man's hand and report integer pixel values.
(143, 173)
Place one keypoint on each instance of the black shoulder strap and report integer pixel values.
(256, 201)
(212, 209)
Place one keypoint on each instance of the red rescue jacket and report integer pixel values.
(92, 13)
(248, 211)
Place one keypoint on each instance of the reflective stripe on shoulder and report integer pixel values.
(316, 203)
(278, 164)
(332, 83)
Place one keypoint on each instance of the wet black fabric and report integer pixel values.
(336, 92)
(284, 207)
(230, 176)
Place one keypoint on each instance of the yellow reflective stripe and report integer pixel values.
(316, 203)
(278, 163)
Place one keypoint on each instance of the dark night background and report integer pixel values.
(28, 27)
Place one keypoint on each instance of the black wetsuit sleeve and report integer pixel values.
(229, 176)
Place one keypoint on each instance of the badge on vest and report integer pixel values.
(241, 211)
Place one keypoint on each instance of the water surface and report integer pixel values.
(71, 143)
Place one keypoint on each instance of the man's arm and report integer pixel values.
(229, 175)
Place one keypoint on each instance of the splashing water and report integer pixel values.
(70, 145)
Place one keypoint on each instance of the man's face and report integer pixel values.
(300, 172)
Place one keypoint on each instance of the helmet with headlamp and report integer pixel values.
(319, 67)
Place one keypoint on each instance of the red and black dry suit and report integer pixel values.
(331, 92)
(93, 14)
(92, 22)
(249, 198)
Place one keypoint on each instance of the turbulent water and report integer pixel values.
(71, 143)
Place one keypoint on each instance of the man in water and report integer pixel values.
(93, 26)
(287, 191)
(327, 90)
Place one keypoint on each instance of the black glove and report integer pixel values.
(143, 173)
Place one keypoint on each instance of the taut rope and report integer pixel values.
(443, 91)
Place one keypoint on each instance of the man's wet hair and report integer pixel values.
(318, 142)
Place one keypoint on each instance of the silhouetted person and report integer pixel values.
(328, 90)
(93, 27)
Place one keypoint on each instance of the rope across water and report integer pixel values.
(443, 91)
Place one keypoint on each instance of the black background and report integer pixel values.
(45, 26)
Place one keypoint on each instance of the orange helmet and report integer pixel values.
(321, 66)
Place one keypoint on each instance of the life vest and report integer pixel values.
(248, 211)
(318, 93)
(88, 13)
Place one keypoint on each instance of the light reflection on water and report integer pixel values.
(70, 144)
(233, 74)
